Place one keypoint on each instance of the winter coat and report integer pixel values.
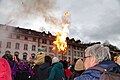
(67, 73)
(23, 71)
(5, 70)
(57, 72)
(95, 74)
(75, 74)
(43, 71)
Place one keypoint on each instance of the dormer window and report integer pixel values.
(43, 34)
(17, 30)
(29, 32)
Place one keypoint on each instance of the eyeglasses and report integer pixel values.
(86, 57)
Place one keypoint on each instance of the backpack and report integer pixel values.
(107, 75)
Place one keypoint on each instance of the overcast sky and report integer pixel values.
(91, 20)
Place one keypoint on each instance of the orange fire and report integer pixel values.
(60, 41)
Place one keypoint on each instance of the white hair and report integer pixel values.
(99, 51)
(55, 60)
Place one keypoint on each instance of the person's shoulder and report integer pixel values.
(89, 74)
(4, 64)
(83, 77)
(3, 61)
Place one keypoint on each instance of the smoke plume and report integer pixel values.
(38, 7)
(25, 10)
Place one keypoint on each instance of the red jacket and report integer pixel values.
(67, 72)
(5, 71)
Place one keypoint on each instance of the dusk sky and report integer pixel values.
(91, 20)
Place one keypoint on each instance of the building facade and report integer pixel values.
(25, 41)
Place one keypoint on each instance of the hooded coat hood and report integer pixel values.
(5, 71)
(57, 72)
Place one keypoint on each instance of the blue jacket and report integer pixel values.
(95, 74)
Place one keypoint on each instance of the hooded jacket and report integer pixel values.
(5, 71)
(43, 71)
(57, 72)
(95, 74)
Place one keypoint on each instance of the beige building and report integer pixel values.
(25, 41)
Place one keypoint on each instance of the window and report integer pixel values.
(24, 56)
(33, 55)
(78, 48)
(34, 39)
(17, 30)
(0, 44)
(33, 47)
(69, 52)
(25, 47)
(44, 41)
(59, 57)
(17, 37)
(74, 53)
(51, 42)
(26, 38)
(45, 48)
(74, 47)
(78, 54)
(10, 36)
(43, 34)
(50, 49)
(29, 32)
(64, 57)
(16, 53)
(69, 59)
(17, 45)
(7, 52)
(81, 54)
(8, 45)
(69, 46)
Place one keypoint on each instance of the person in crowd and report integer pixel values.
(11, 62)
(57, 71)
(78, 69)
(23, 71)
(38, 61)
(44, 69)
(16, 57)
(71, 67)
(66, 70)
(31, 60)
(5, 71)
(9, 58)
(97, 55)
(118, 60)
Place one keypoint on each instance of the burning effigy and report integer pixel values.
(60, 43)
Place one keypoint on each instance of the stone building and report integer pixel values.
(26, 42)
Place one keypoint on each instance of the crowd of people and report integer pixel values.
(44, 67)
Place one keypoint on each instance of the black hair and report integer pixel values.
(48, 59)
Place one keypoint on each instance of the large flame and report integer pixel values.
(60, 41)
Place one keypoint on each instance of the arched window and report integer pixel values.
(16, 53)
(24, 56)
(33, 55)
(7, 52)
